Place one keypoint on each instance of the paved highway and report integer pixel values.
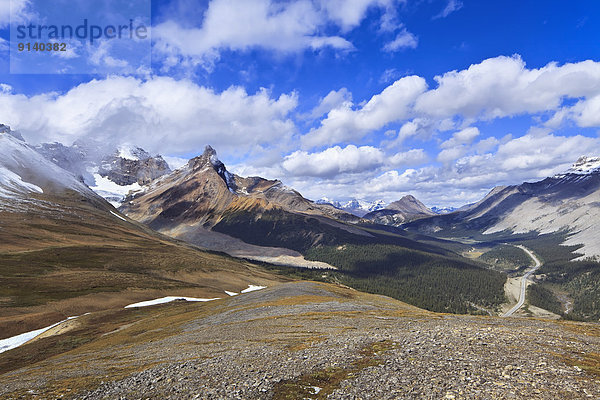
(524, 279)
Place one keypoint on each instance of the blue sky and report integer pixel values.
(442, 99)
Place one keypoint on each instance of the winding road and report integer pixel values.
(524, 279)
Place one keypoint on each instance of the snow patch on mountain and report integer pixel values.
(134, 153)
(113, 193)
(23, 168)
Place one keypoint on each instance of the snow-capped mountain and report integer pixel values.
(443, 210)
(113, 175)
(326, 200)
(583, 166)
(354, 206)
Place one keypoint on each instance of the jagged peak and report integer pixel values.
(209, 151)
(209, 159)
(6, 129)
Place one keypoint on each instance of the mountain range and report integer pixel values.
(551, 205)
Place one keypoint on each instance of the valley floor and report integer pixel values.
(296, 339)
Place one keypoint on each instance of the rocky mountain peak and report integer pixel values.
(410, 204)
(6, 129)
(209, 159)
(132, 153)
(585, 165)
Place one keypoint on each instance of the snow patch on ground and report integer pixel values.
(118, 216)
(252, 288)
(16, 341)
(164, 300)
(168, 299)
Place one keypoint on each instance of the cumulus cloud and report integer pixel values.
(466, 178)
(495, 88)
(334, 99)
(349, 14)
(267, 24)
(586, 113)
(403, 40)
(351, 159)
(503, 86)
(160, 114)
(394, 103)
(457, 145)
(333, 161)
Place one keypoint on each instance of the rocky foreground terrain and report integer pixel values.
(310, 340)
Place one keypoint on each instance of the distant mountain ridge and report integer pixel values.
(568, 202)
(355, 206)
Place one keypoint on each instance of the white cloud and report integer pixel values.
(403, 40)
(175, 162)
(464, 178)
(351, 159)
(495, 88)
(334, 99)
(503, 86)
(451, 153)
(161, 114)
(452, 6)
(333, 161)
(282, 27)
(243, 25)
(344, 123)
(349, 14)
(455, 147)
(389, 75)
(410, 157)
(586, 113)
